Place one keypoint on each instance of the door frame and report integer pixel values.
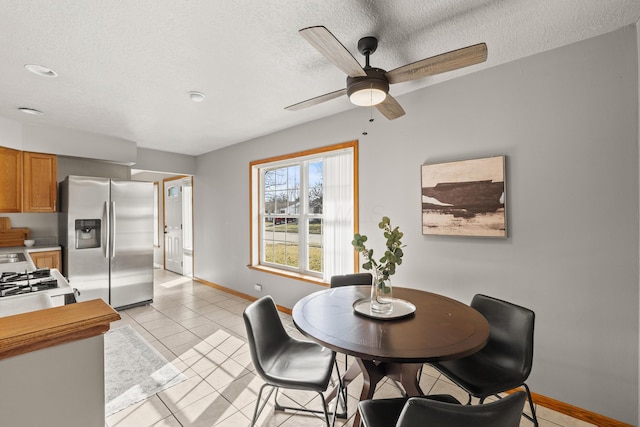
(164, 223)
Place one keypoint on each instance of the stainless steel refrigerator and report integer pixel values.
(106, 234)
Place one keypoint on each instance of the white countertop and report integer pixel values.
(36, 248)
(25, 265)
(42, 248)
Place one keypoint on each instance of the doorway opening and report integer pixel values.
(183, 217)
(178, 224)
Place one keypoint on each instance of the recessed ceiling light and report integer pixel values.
(41, 70)
(196, 96)
(31, 111)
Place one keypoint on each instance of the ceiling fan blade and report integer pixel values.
(390, 108)
(316, 100)
(442, 63)
(331, 48)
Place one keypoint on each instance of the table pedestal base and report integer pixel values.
(404, 373)
(373, 372)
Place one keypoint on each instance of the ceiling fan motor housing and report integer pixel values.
(375, 79)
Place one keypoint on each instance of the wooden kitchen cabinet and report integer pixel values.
(40, 182)
(10, 180)
(46, 259)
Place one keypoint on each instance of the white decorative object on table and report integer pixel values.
(401, 309)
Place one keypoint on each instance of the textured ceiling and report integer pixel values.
(125, 67)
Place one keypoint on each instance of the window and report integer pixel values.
(304, 212)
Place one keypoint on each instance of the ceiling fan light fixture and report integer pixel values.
(367, 97)
(368, 90)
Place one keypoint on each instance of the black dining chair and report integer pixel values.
(441, 411)
(505, 362)
(351, 279)
(286, 362)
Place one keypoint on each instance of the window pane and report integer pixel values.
(280, 179)
(281, 253)
(293, 176)
(314, 245)
(269, 180)
(282, 201)
(291, 228)
(294, 202)
(268, 230)
(269, 202)
(268, 247)
(315, 187)
(292, 255)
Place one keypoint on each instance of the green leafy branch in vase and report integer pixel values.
(392, 257)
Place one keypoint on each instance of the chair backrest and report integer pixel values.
(511, 326)
(505, 412)
(265, 332)
(351, 279)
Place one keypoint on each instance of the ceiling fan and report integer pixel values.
(369, 85)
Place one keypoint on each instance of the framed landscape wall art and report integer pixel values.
(464, 198)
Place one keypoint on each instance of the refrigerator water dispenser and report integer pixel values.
(87, 233)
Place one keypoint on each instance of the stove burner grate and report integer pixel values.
(23, 283)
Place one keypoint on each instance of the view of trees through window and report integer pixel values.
(292, 215)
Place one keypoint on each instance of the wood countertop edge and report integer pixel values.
(27, 332)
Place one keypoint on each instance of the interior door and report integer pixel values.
(173, 247)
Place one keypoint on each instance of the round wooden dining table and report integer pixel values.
(440, 328)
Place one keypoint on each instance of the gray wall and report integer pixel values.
(567, 120)
(161, 161)
(88, 167)
(63, 141)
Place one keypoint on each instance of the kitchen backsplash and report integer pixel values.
(43, 226)
(46, 241)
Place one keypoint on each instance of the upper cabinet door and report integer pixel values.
(40, 182)
(10, 180)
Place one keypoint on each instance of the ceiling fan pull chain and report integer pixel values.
(371, 113)
(370, 120)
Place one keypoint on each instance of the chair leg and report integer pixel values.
(342, 392)
(533, 417)
(324, 411)
(257, 412)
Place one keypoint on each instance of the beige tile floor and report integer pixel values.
(200, 330)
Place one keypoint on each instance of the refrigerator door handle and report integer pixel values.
(113, 229)
(106, 235)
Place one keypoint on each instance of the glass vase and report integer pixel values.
(381, 294)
